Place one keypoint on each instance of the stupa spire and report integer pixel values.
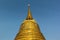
(29, 16)
(29, 29)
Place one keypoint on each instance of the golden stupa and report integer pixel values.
(29, 29)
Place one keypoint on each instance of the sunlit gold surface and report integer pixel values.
(29, 30)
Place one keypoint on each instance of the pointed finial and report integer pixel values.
(28, 5)
(29, 16)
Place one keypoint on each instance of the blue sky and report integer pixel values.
(45, 12)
